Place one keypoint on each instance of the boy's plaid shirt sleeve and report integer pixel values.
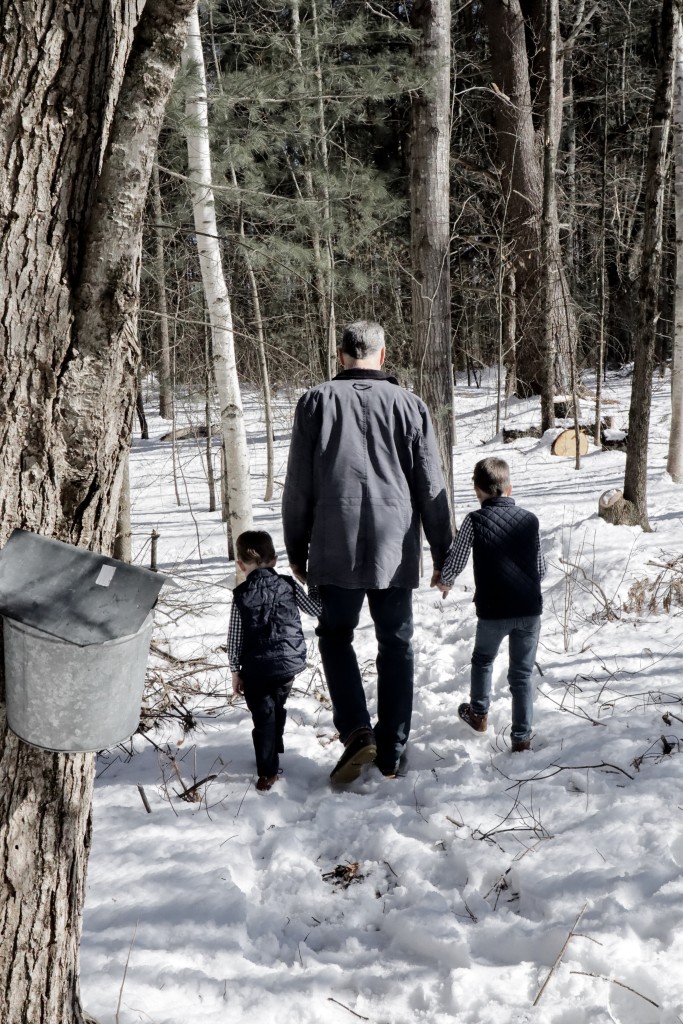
(235, 638)
(458, 553)
(542, 567)
(308, 602)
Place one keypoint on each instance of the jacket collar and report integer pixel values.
(502, 500)
(361, 373)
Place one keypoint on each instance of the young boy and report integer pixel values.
(508, 569)
(266, 646)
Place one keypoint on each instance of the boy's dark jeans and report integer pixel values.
(392, 614)
(523, 635)
(266, 700)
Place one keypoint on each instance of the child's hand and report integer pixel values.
(436, 582)
(237, 684)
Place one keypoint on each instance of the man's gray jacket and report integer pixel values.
(363, 472)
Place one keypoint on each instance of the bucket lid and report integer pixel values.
(74, 594)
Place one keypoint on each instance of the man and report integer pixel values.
(363, 473)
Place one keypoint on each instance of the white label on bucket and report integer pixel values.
(106, 575)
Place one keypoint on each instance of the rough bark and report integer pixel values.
(521, 157)
(77, 139)
(635, 474)
(614, 509)
(430, 223)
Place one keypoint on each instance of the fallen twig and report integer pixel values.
(125, 971)
(143, 797)
(188, 794)
(330, 999)
(560, 954)
(613, 981)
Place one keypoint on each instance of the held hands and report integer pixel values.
(237, 684)
(436, 582)
(300, 574)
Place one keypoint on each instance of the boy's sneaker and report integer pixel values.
(360, 750)
(516, 746)
(477, 722)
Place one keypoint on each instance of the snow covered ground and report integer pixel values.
(449, 893)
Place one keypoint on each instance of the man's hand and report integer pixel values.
(300, 574)
(237, 684)
(436, 582)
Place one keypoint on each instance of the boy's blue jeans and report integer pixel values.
(523, 633)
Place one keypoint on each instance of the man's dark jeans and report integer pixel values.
(266, 698)
(392, 614)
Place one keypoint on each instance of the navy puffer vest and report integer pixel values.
(273, 640)
(505, 554)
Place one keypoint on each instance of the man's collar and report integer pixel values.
(362, 373)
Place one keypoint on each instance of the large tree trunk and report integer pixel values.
(521, 155)
(635, 474)
(215, 287)
(430, 224)
(77, 140)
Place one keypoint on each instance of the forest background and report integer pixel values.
(495, 182)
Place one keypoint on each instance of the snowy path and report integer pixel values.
(473, 867)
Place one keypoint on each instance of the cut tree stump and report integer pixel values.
(565, 443)
(614, 509)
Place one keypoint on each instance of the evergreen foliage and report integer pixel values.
(310, 124)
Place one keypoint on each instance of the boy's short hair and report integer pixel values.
(255, 547)
(361, 338)
(492, 476)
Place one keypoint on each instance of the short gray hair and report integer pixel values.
(362, 338)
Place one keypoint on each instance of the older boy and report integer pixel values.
(266, 645)
(508, 569)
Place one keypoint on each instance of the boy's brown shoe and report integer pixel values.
(477, 722)
(518, 745)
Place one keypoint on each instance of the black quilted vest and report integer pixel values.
(505, 554)
(273, 641)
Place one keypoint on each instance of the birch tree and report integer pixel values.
(674, 463)
(83, 89)
(215, 287)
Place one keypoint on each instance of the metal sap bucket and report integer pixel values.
(69, 698)
(77, 630)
